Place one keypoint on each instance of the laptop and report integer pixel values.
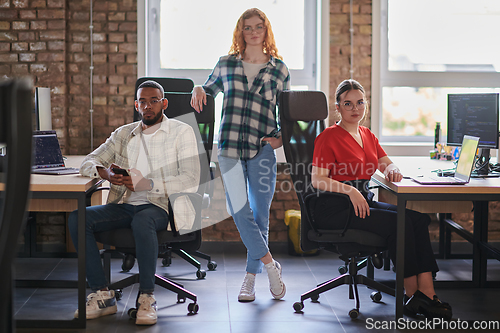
(48, 156)
(464, 166)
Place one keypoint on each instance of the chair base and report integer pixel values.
(211, 265)
(352, 279)
(189, 257)
(161, 281)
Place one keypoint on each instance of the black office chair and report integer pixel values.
(302, 115)
(15, 170)
(179, 105)
(177, 92)
(170, 240)
(169, 84)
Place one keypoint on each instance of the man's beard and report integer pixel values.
(150, 122)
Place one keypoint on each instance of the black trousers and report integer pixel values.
(419, 257)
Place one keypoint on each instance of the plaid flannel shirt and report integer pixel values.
(249, 110)
(173, 152)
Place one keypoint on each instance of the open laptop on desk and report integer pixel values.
(464, 166)
(48, 155)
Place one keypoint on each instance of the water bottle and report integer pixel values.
(437, 134)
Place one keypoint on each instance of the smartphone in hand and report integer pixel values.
(119, 171)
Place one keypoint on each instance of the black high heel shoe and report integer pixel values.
(430, 308)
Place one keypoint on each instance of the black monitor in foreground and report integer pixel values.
(15, 132)
(476, 115)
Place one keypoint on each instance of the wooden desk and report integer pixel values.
(61, 183)
(479, 191)
(62, 193)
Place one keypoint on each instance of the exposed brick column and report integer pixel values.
(114, 74)
(340, 47)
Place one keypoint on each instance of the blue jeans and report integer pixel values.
(144, 220)
(249, 187)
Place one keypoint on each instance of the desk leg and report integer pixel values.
(82, 282)
(400, 255)
(479, 263)
(444, 237)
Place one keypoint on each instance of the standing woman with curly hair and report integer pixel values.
(251, 77)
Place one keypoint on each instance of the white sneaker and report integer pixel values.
(100, 303)
(146, 310)
(276, 284)
(247, 291)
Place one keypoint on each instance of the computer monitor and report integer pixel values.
(476, 115)
(43, 109)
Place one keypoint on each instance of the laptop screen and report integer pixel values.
(47, 150)
(466, 159)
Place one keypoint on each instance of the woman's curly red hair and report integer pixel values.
(269, 46)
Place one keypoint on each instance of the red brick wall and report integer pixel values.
(33, 42)
(49, 40)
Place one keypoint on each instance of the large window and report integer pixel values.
(428, 49)
(186, 38)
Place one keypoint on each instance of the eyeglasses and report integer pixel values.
(258, 29)
(152, 103)
(360, 105)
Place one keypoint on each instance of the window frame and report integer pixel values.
(305, 77)
(382, 77)
(322, 61)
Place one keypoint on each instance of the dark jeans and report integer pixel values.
(419, 257)
(144, 220)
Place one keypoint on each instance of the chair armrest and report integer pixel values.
(309, 200)
(193, 196)
(210, 188)
(196, 200)
(94, 189)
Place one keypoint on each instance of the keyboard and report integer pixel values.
(439, 180)
(57, 171)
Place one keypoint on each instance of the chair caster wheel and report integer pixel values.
(343, 269)
(132, 313)
(298, 306)
(118, 294)
(128, 263)
(193, 308)
(354, 313)
(181, 299)
(376, 296)
(201, 274)
(166, 262)
(314, 298)
(212, 265)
